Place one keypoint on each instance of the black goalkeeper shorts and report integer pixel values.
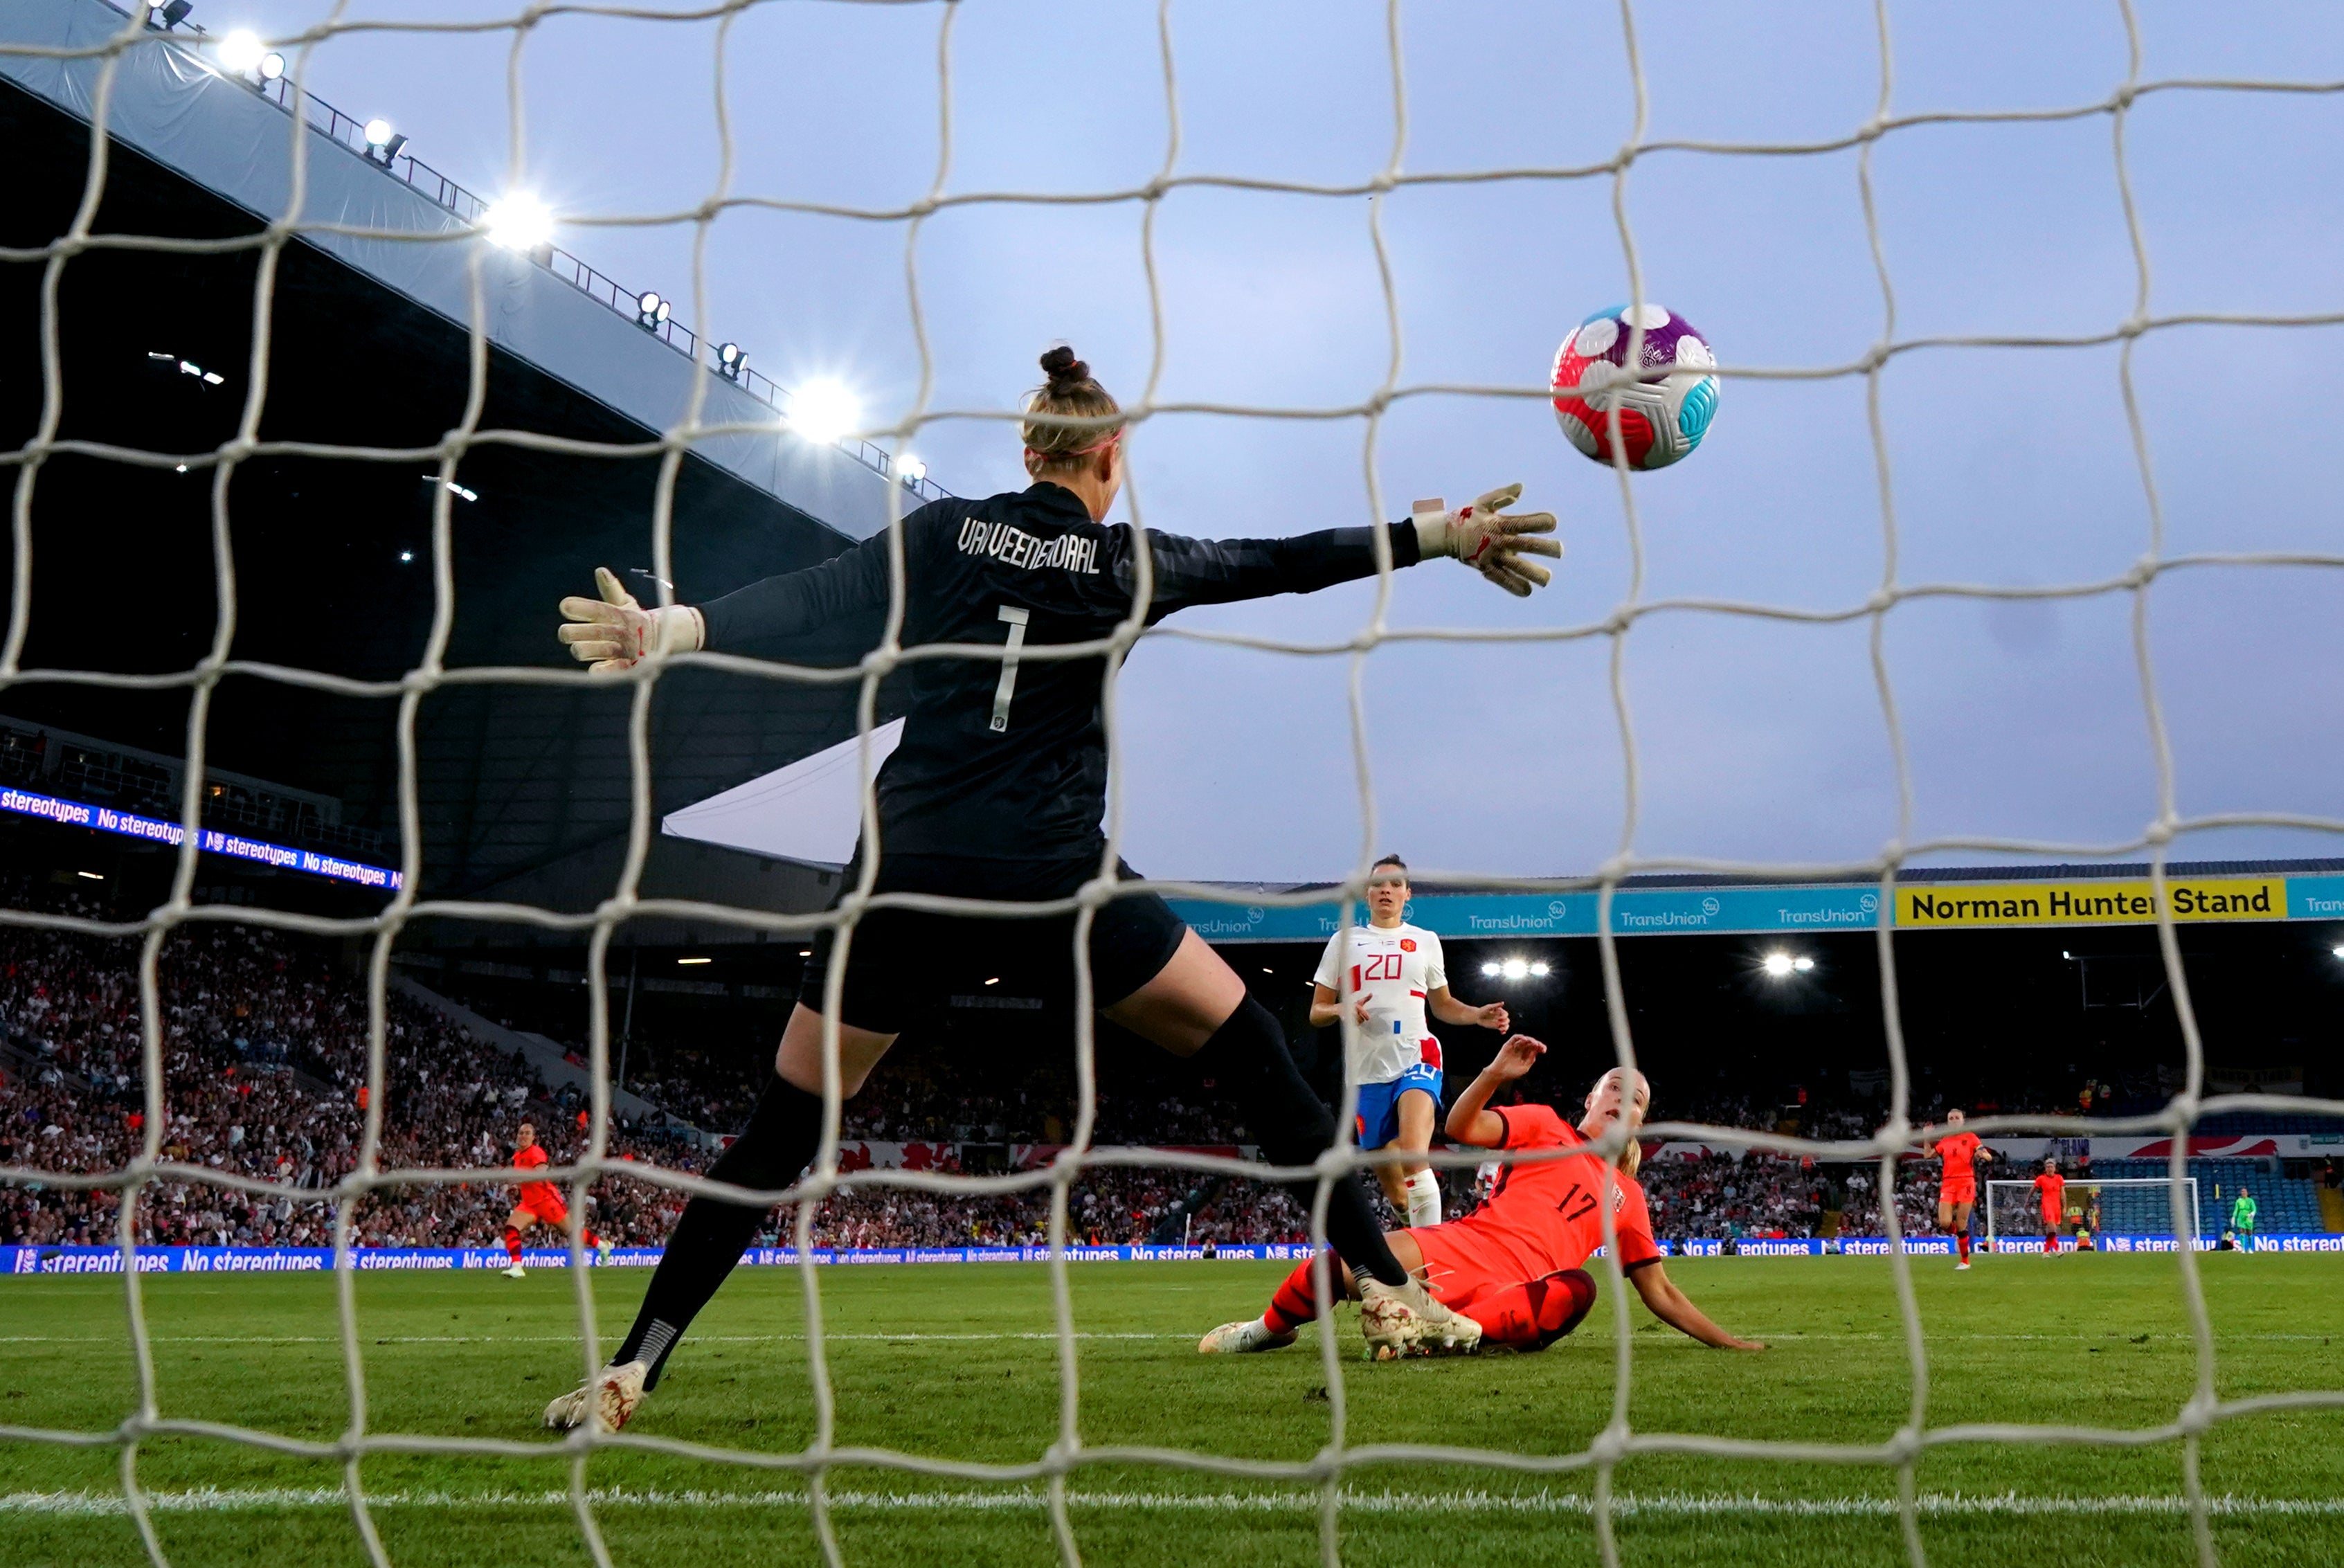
(905, 964)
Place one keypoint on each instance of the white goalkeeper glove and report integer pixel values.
(610, 634)
(1488, 539)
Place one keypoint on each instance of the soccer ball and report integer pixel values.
(1662, 417)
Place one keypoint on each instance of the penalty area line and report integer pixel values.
(1655, 1504)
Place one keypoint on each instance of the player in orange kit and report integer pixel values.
(2052, 1188)
(1513, 1268)
(540, 1202)
(1957, 1191)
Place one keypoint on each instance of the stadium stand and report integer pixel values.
(2284, 1204)
(265, 1049)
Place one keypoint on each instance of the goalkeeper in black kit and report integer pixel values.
(997, 792)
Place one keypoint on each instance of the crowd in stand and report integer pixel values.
(264, 1045)
(264, 1051)
(1103, 1209)
(909, 1102)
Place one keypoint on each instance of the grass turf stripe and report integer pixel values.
(1657, 1505)
(1759, 1330)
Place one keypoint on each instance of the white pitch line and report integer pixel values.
(913, 1338)
(1656, 1505)
(364, 1338)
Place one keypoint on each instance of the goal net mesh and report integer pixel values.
(100, 65)
(2127, 1207)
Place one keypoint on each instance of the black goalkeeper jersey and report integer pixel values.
(1008, 759)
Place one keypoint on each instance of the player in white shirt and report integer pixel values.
(1394, 974)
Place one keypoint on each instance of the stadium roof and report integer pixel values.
(405, 226)
(522, 789)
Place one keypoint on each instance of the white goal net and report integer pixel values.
(2133, 1208)
(97, 62)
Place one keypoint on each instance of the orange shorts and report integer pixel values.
(544, 1204)
(1456, 1270)
(1959, 1191)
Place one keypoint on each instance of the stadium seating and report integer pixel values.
(2283, 1205)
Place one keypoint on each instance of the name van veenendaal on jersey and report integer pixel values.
(1012, 546)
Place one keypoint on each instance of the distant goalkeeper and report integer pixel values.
(1512, 1269)
(2242, 1220)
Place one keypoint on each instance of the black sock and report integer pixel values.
(1248, 1057)
(711, 1235)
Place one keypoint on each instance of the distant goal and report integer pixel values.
(2129, 1206)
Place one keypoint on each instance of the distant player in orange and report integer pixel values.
(540, 1202)
(1513, 1268)
(1957, 1190)
(2052, 1188)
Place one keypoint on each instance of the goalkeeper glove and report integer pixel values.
(1490, 540)
(610, 634)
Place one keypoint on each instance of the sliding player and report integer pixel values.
(1514, 1267)
(2052, 1188)
(1957, 1188)
(1397, 975)
(996, 792)
(540, 1203)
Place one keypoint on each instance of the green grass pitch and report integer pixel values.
(959, 1363)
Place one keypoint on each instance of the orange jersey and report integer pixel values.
(533, 1157)
(2054, 1192)
(1545, 1215)
(1960, 1154)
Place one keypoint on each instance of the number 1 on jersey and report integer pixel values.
(1007, 689)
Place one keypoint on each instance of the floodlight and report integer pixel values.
(382, 142)
(1488, 968)
(823, 410)
(272, 66)
(732, 359)
(1803, 963)
(1776, 964)
(240, 51)
(406, 556)
(912, 470)
(171, 15)
(2338, 951)
(651, 311)
(1540, 970)
(1514, 968)
(695, 960)
(519, 222)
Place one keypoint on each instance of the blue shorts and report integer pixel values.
(1378, 1119)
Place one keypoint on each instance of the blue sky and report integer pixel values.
(1758, 740)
